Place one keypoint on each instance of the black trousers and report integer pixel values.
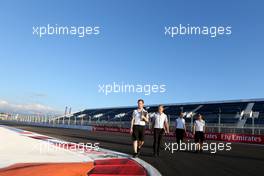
(179, 135)
(158, 133)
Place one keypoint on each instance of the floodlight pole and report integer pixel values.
(75, 120)
(219, 121)
(253, 122)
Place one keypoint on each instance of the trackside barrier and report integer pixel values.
(89, 128)
(226, 137)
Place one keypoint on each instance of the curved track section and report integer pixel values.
(27, 153)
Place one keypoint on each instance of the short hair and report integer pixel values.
(140, 100)
(200, 115)
(160, 106)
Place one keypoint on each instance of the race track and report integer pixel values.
(242, 160)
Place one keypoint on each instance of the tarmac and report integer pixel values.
(242, 159)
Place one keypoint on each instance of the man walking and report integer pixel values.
(137, 129)
(198, 132)
(159, 125)
(180, 128)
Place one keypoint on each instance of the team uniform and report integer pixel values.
(199, 130)
(158, 120)
(180, 129)
(139, 125)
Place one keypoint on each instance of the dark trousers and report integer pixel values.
(179, 135)
(157, 140)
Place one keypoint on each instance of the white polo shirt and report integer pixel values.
(180, 123)
(137, 116)
(159, 120)
(199, 125)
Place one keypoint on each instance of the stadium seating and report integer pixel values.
(229, 112)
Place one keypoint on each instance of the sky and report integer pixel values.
(51, 72)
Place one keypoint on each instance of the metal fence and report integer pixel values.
(83, 122)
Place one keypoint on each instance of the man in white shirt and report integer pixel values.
(137, 129)
(160, 125)
(180, 128)
(198, 131)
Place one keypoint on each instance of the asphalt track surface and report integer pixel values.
(242, 160)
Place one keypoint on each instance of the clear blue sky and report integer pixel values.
(60, 71)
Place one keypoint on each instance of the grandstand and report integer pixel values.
(245, 116)
(233, 116)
